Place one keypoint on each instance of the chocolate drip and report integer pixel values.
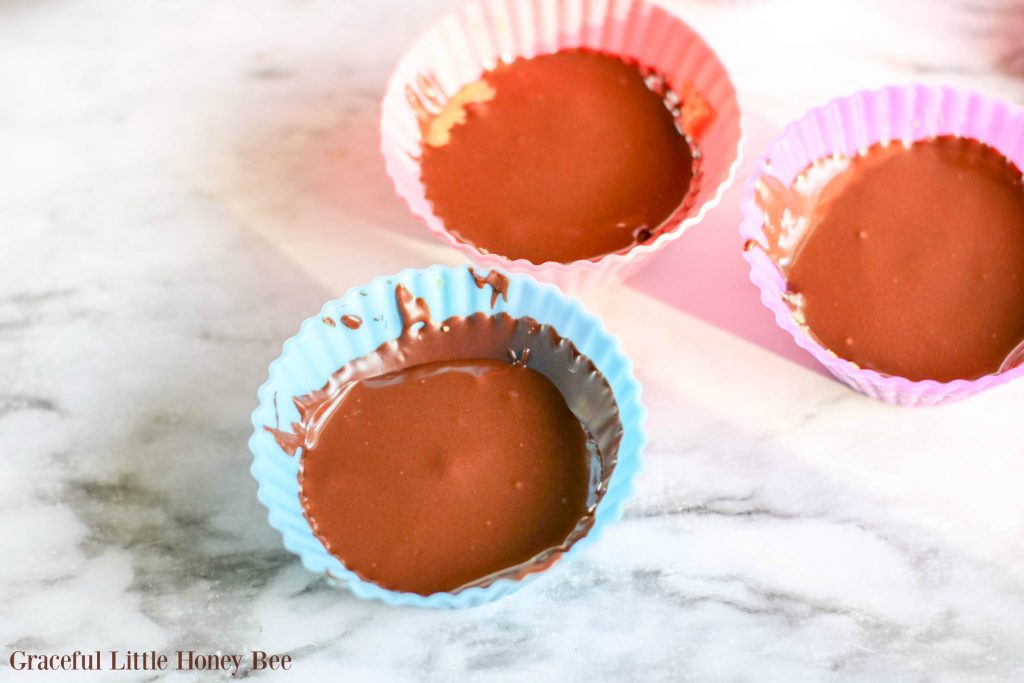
(496, 280)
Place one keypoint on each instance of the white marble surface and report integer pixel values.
(182, 182)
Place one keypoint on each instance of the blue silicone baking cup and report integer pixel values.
(319, 349)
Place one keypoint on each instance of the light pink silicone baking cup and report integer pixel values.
(847, 127)
(460, 47)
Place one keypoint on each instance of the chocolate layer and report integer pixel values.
(462, 451)
(429, 478)
(561, 157)
(906, 260)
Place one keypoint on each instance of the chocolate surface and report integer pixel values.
(432, 477)
(560, 157)
(464, 450)
(907, 260)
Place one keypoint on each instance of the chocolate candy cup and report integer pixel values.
(455, 52)
(846, 127)
(319, 349)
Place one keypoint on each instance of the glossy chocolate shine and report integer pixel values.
(561, 157)
(456, 452)
(429, 478)
(913, 260)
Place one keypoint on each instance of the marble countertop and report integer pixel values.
(181, 183)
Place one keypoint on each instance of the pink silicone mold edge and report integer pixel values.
(848, 126)
(456, 50)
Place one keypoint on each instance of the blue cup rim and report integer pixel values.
(275, 471)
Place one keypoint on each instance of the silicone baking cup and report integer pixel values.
(318, 350)
(457, 51)
(849, 126)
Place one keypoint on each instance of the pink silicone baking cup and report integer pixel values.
(849, 126)
(457, 51)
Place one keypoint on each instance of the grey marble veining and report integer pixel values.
(182, 183)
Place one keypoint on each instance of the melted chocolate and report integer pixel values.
(561, 157)
(432, 477)
(496, 280)
(460, 452)
(906, 260)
